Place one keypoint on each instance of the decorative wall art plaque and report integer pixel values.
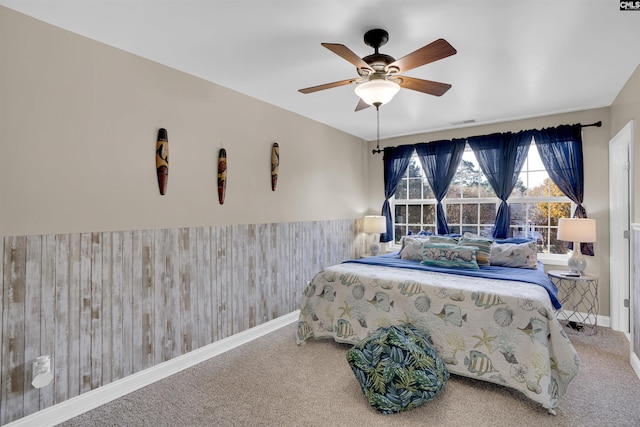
(222, 175)
(162, 160)
(275, 164)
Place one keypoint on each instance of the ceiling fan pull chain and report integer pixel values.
(378, 127)
(377, 149)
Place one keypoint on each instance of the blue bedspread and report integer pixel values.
(537, 277)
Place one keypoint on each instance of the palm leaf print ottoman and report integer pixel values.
(397, 368)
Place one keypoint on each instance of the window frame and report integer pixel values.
(545, 257)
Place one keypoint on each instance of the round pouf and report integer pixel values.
(397, 368)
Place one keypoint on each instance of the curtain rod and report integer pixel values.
(596, 124)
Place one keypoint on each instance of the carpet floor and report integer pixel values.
(273, 382)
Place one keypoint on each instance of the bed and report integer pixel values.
(495, 324)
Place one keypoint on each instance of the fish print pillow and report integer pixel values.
(517, 255)
(483, 254)
(449, 256)
(397, 368)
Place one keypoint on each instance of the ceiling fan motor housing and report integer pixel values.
(376, 38)
(377, 61)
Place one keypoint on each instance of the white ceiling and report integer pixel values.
(515, 59)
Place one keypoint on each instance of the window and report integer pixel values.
(471, 205)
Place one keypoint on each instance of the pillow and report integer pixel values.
(419, 233)
(450, 256)
(397, 368)
(483, 254)
(518, 255)
(412, 247)
(513, 240)
(411, 239)
(443, 239)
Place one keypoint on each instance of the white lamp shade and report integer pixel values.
(577, 229)
(375, 224)
(378, 91)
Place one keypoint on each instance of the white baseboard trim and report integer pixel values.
(604, 321)
(633, 357)
(85, 402)
(635, 364)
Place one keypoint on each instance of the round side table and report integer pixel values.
(579, 298)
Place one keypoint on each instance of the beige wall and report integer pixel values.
(625, 108)
(93, 260)
(596, 198)
(79, 123)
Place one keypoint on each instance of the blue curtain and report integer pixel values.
(501, 156)
(440, 160)
(560, 149)
(396, 160)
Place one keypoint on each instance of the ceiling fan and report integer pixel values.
(379, 74)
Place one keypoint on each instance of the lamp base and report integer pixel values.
(577, 263)
(375, 248)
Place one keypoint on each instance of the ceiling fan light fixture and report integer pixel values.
(377, 91)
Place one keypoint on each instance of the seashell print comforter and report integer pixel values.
(500, 331)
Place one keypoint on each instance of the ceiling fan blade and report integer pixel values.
(346, 53)
(327, 86)
(432, 52)
(362, 105)
(425, 86)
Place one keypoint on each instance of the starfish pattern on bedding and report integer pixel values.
(485, 340)
(346, 310)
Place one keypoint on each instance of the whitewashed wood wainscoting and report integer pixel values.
(105, 305)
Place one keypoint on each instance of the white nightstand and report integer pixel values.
(579, 299)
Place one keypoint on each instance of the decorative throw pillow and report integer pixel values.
(397, 368)
(402, 244)
(518, 255)
(513, 240)
(412, 247)
(419, 233)
(450, 256)
(443, 239)
(483, 254)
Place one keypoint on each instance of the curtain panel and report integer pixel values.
(501, 156)
(440, 160)
(560, 149)
(396, 161)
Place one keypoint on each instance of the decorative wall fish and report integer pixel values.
(222, 175)
(162, 160)
(275, 165)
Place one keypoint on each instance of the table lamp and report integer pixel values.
(375, 224)
(577, 230)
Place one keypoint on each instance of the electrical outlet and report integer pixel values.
(42, 375)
